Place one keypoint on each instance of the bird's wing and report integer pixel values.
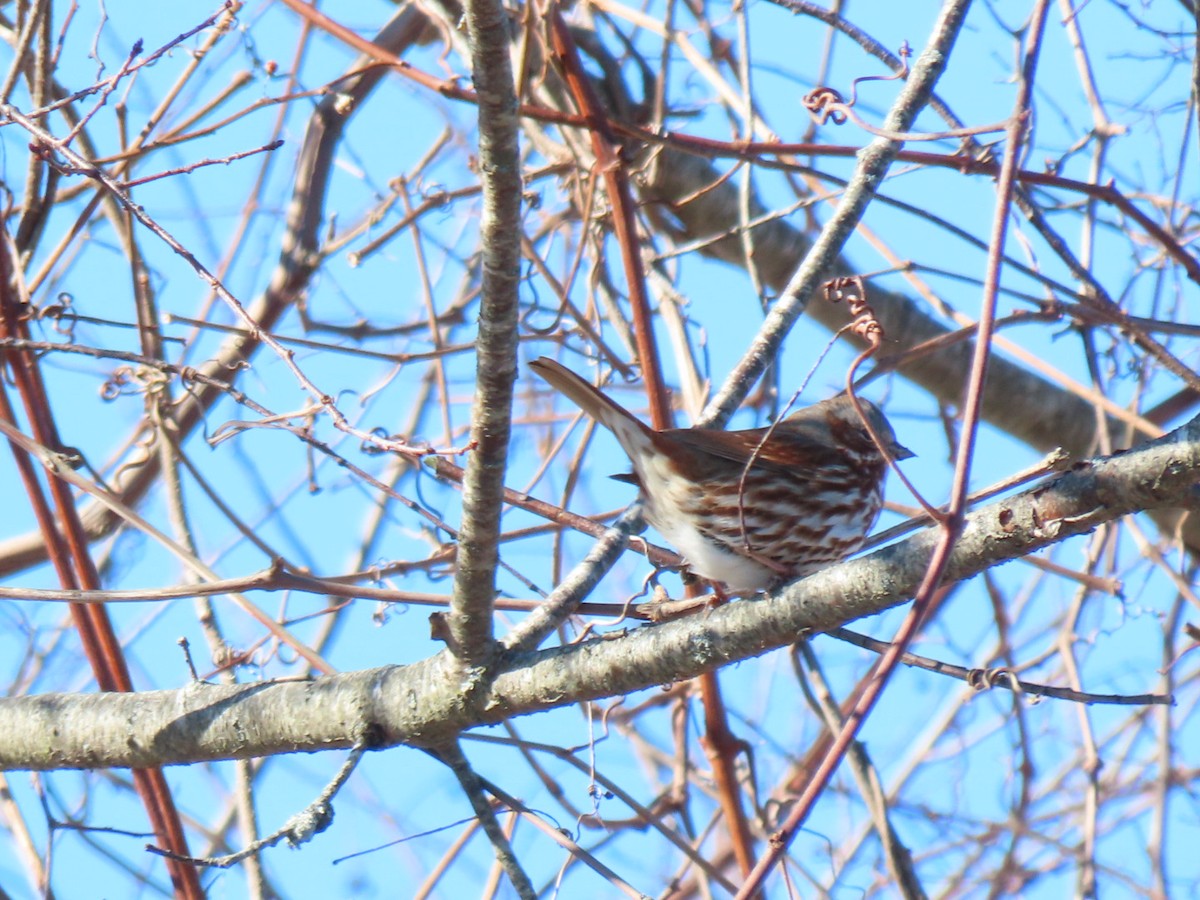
(797, 453)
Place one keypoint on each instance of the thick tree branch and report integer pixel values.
(425, 705)
(470, 619)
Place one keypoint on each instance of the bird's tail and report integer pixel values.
(616, 418)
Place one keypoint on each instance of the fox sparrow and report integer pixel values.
(750, 515)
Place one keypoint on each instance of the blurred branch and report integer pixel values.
(689, 196)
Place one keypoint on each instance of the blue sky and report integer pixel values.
(965, 775)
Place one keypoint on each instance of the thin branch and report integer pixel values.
(873, 163)
(472, 785)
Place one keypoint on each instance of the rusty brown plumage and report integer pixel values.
(751, 508)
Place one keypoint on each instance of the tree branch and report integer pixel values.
(470, 619)
(425, 705)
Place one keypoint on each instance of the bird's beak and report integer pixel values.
(899, 452)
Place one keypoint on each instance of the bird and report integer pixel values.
(752, 509)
